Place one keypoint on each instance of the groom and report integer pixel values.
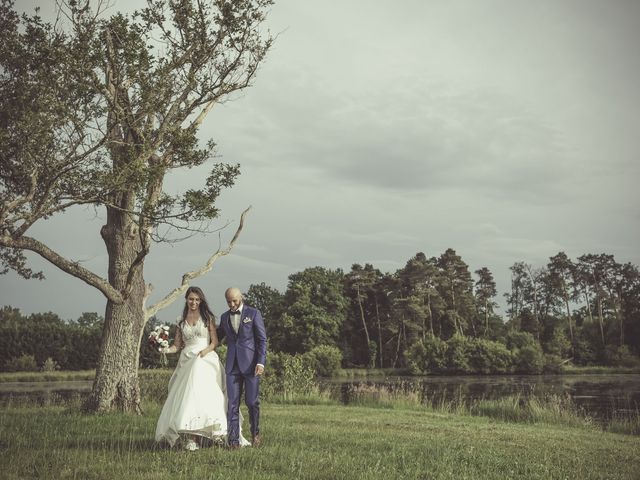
(246, 356)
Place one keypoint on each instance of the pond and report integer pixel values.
(600, 396)
(44, 393)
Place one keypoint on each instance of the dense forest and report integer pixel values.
(431, 316)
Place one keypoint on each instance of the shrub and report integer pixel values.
(620, 356)
(584, 353)
(274, 361)
(288, 377)
(427, 356)
(559, 344)
(552, 363)
(486, 356)
(529, 359)
(416, 358)
(324, 360)
(23, 363)
(50, 365)
(297, 378)
(516, 339)
(458, 354)
(221, 350)
(373, 354)
(527, 352)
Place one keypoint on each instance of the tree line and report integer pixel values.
(434, 315)
(431, 316)
(45, 341)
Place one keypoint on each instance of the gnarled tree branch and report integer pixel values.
(187, 277)
(64, 264)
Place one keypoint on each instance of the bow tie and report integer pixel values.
(234, 313)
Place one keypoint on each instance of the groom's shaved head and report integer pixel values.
(233, 297)
(232, 292)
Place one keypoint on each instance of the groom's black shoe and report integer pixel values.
(257, 441)
(234, 446)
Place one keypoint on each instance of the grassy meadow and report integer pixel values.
(381, 434)
(313, 441)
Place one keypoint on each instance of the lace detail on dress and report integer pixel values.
(197, 331)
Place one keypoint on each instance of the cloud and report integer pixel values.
(506, 130)
(313, 253)
(245, 247)
(373, 237)
(412, 136)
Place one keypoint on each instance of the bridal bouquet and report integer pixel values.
(159, 339)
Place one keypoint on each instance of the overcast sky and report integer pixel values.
(507, 130)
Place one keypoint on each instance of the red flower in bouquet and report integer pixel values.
(159, 337)
(159, 340)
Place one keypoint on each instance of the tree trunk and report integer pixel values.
(424, 324)
(364, 322)
(379, 332)
(536, 313)
(565, 294)
(453, 309)
(486, 317)
(473, 326)
(617, 307)
(430, 315)
(588, 303)
(621, 323)
(400, 332)
(116, 384)
(600, 314)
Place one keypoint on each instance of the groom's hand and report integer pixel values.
(259, 370)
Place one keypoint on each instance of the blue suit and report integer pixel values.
(244, 350)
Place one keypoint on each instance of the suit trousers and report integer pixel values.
(236, 383)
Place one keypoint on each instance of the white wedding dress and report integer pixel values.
(197, 402)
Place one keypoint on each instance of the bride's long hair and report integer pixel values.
(205, 312)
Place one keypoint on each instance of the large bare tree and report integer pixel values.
(97, 110)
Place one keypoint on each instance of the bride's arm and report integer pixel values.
(178, 343)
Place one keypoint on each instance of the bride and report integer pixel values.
(196, 404)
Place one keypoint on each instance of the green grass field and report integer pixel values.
(381, 435)
(313, 442)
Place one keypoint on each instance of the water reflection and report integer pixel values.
(43, 393)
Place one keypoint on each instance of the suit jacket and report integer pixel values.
(249, 346)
